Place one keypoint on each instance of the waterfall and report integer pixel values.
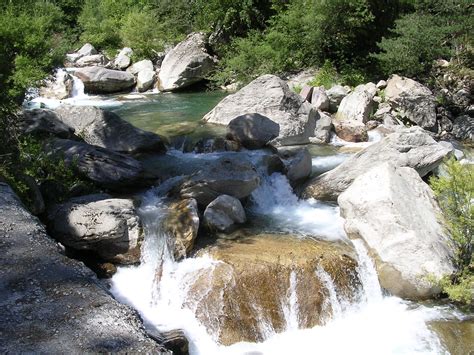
(77, 88)
(274, 199)
(290, 304)
(331, 305)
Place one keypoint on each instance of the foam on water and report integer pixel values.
(275, 199)
(322, 164)
(374, 136)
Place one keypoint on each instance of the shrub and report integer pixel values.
(327, 76)
(455, 194)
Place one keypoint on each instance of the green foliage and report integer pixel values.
(461, 288)
(437, 29)
(327, 76)
(455, 193)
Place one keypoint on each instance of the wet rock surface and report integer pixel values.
(53, 304)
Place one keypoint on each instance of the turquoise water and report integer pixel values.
(173, 114)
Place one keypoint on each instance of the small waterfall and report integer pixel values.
(331, 304)
(77, 88)
(274, 199)
(290, 305)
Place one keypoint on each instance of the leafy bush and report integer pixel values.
(327, 76)
(455, 194)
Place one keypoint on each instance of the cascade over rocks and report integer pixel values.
(412, 147)
(412, 101)
(269, 96)
(224, 176)
(396, 214)
(107, 130)
(99, 80)
(186, 64)
(53, 304)
(108, 226)
(58, 87)
(182, 225)
(104, 167)
(223, 213)
(252, 130)
(254, 276)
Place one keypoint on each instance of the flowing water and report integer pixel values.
(175, 295)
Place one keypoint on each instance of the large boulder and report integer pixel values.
(181, 225)
(99, 80)
(335, 96)
(411, 147)
(320, 99)
(44, 122)
(223, 213)
(58, 87)
(54, 304)
(85, 50)
(145, 80)
(107, 130)
(270, 96)
(186, 64)
(123, 59)
(137, 67)
(107, 226)
(399, 222)
(252, 130)
(253, 287)
(225, 176)
(353, 113)
(105, 167)
(463, 128)
(92, 60)
(322, 132)
(412, 101)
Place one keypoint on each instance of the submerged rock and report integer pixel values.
(255, 277)
(223, 213)
(182, 225)
(412, 101)
(395, 212)
(269, 96)
(104, 167)
(107, 130)
(99, 80)
(186, 64)
(108, 226)
(411, 147)
(53, 304)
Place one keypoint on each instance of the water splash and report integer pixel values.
(290, 305)
(77, 88)
(331, 304)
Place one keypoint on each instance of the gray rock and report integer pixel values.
(108, 226)
(320, 99)
(224, 176)
(104, 167)
(86, 49)
(351, 130)
(92, 60)
(43, 121)
(358, 105)
(298, 163)
(223, 213)
(137, 67)
(102, 81)
(53, 304)
(107, 130)
(322, 132)
(335, 95)
(186, 64)
(252, 130)
(123, 61)
(58, 87)
(382, 84)
(182, 224)
(145, 80)
(463, 128)
(306, 93)
(269, 96)
(412, 101)
(300, 79)
(410, 147)
(399, 222)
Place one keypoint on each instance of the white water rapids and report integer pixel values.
(373, 324)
